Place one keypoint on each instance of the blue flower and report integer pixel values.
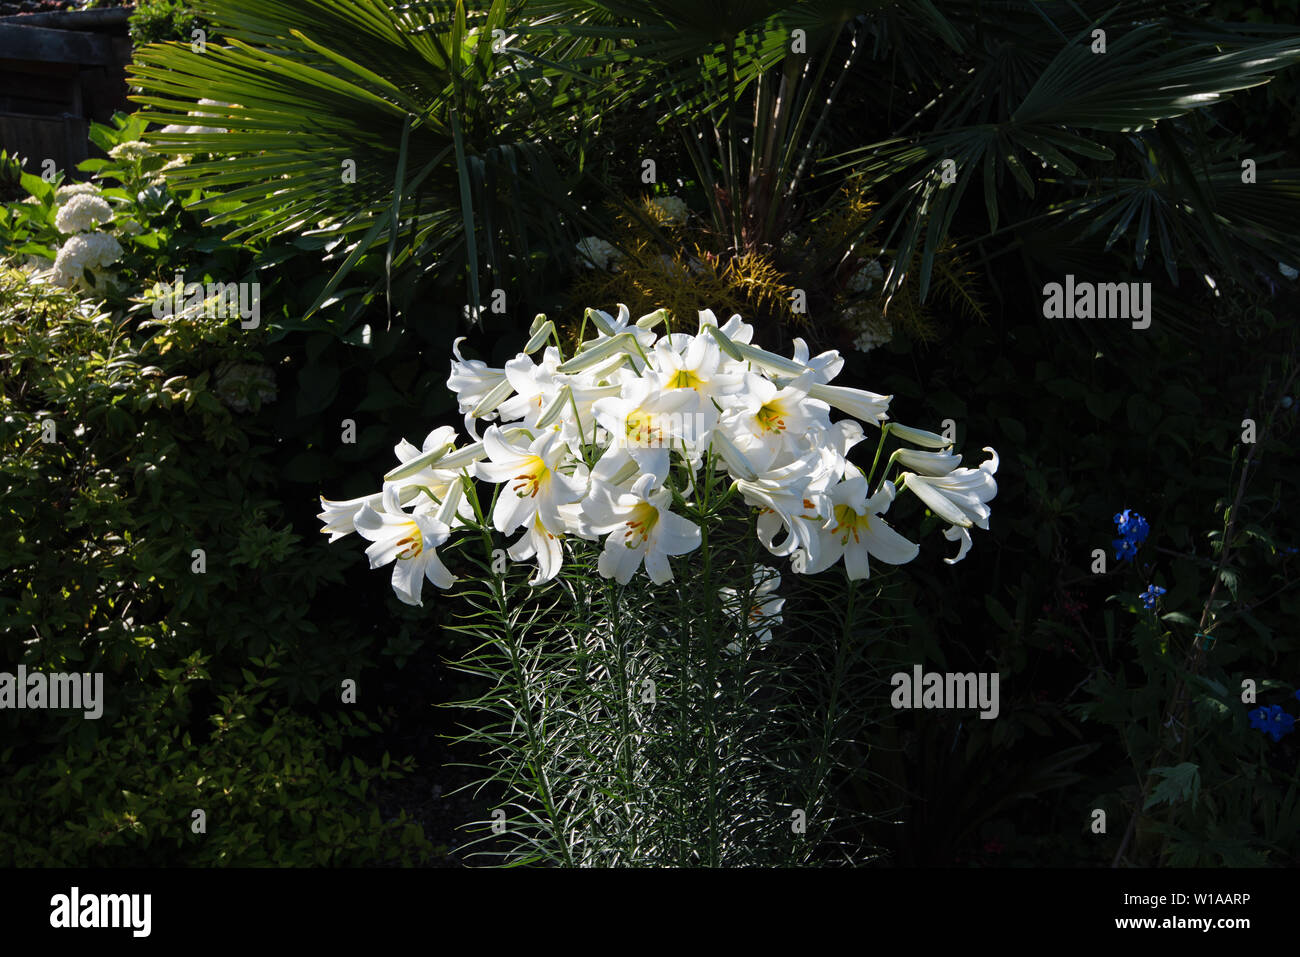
(1259, 719)
(1124, 549)
(1150, 595)
(1273, 721)
(1133, 530)
(1132, 525)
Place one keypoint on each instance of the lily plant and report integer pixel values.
(640, 705)
(637, 439)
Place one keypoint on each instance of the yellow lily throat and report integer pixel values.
(642, 430)
(639, 526)
(413, 542)
(771, 418)
(685, 379)
(527, 483)
(849, 522)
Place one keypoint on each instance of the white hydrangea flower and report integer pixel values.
(869, 327)
(84, 251)
(82, 213)
(175, 162)
(673, 207)
(596, 253)
(131, 150)
(866, 277)
(64, 193)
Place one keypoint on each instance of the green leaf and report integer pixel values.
(999, 614)
(1179, 783)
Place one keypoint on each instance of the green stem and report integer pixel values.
(511, 643)
(627, 765)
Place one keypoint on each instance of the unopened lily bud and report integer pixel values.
(502, 391)
(929, 440)
(419, 462)
(540, 333)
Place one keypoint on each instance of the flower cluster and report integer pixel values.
(865, 278)
(673, 208)
(868, 325)
(1133, 530)
(82, 213)
(1273, 721)
(132, 150)
(81, 252)
(615, 444)
(597, 253)
(64, 193)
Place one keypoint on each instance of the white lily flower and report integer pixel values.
(959, 496)
(473, 380)
(436, 471)
(536, 386)
(410, 539)
(639, 527)
(736, 329)
(930, 440)
(762, 612)
(928, 463)
(792, 497)
(835, 443)
(776, 418)
(536, 486)
(955, 533)
(649, 420)
(825, 366)
(339, 517)
(862, 405)
(856, 530)
(542, 543)
(694, 362)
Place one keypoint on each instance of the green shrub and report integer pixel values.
(267, 781)
(129, 443)
(158, 21)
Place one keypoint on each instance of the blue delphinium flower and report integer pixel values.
(1133, 530)
(1150, 595)
(1132, 526)
(1273, 721)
